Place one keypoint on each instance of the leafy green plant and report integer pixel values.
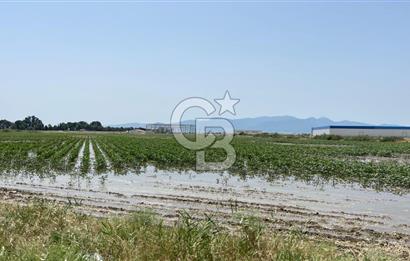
(271, 156)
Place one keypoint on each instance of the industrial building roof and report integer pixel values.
(366, 127)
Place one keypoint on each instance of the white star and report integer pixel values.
(227, 104)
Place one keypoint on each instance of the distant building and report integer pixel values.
(137, 131)
(171, 128)
(374, 131)
(249, 132)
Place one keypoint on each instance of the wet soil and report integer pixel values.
(347, 214)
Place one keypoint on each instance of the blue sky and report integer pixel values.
(134, 62)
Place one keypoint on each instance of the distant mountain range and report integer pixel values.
(279, 124)
(287, 124)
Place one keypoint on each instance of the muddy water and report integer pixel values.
(80, 157)
(92, 158)
(337, 211)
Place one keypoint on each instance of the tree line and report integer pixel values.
(34, 123)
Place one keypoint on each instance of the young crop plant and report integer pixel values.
(74, 155)
(101, 164)
(114, 156)
(59, 159)
(271, 156)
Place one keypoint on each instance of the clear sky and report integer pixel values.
(133, 62)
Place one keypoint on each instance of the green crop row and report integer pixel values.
(100, 162)
(271, 156)
(85, 162)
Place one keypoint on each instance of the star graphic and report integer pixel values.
(227, 104)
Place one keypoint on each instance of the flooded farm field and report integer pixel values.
(319, 188)
(342, 212)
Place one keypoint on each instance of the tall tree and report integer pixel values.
(33, 123)
(21, 125)
(5, 124)
(96, 126)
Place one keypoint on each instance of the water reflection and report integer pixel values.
(152, 182)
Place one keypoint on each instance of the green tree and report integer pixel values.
(5, 124)
(20, 125)
(96, 126)
(33, 123)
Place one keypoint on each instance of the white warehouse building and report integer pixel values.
(374, 131)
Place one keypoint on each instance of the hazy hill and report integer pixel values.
(287, 124)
